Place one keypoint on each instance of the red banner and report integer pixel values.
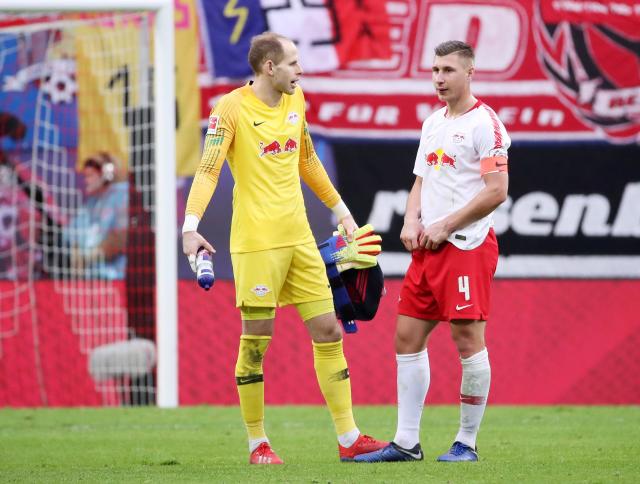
(549, 342)
(560, 70)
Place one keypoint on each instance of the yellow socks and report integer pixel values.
(333, 378)
(331, 371)
(250, 382)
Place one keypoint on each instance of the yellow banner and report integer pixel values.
(114, 90)
(188, 141)
(111, 83)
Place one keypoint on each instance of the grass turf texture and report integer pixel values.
(208, 444)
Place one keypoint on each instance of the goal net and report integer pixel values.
(78, 208)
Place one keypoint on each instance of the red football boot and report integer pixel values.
(264, 454)
(363, 445)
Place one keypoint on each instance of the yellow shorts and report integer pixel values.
(279, 277)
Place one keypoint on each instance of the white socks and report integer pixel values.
(348, 439)
(413, 383)
(254, 443)
(474, 389)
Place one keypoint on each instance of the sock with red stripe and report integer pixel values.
(474, 390)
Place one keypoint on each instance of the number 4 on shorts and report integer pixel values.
(463, 286)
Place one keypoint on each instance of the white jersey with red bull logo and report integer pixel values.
(449, 162)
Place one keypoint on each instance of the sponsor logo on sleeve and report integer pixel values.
(213, 124)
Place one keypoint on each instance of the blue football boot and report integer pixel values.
(392, 453)
(459, 452)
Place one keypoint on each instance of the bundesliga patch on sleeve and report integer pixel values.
(213, 124)
(498, 152)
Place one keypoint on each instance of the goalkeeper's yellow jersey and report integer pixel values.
(268, 150)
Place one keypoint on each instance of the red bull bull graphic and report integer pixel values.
(447, 160)
(290, 146)
(431, 159)
(439, 158)
(272, 148)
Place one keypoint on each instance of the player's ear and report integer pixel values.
(471, 71)
(268, 67)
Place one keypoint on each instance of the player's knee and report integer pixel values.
(468, 345)
(327, 333)
(406, 342)
(324, 328)
(250, 355)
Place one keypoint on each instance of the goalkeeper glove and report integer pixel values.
(366, 245)
(361, 253)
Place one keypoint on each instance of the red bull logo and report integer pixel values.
(447, 160)
(272, 148)
(290, 146)
(439, 158)
(432, 159)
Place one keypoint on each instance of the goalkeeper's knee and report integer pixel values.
(250, 355)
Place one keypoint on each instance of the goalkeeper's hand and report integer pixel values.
(362, 252)
(191, 242)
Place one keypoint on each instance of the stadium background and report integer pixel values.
(564, 325)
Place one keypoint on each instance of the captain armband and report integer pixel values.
(493, 164)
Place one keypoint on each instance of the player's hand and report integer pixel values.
(410, 235)
(361, 252)
(434, 235)
(349, 225)
(191, 242)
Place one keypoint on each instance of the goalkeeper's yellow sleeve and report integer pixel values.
(222, 127)
(313, 173)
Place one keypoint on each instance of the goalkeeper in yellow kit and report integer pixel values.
(261, 130)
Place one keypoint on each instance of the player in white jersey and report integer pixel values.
(461, 178)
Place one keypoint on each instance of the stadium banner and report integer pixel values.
(552, 70)
(74, 69)
(100, 126)
(573, 211)
(542, 321)
(188, 136)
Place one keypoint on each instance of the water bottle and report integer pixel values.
(204, 269)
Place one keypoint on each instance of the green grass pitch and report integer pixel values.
(208, 444)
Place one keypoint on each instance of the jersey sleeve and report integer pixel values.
(220, 134)
(492, 143)
(419, 166)
(312, 171)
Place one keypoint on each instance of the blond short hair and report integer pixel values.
(264, 47)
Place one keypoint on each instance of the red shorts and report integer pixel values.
(449, 283)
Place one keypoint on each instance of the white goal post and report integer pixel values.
(165, 169)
